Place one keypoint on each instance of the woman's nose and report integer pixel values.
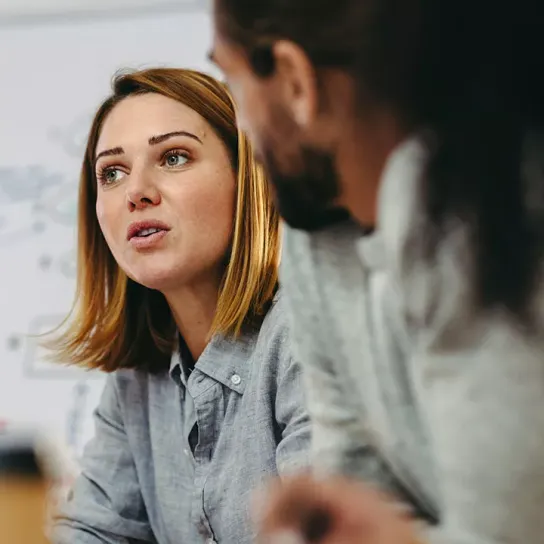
(141, 195)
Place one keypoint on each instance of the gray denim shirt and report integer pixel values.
(142, 482)
(407, 386)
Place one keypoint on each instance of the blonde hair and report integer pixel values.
(117, 323)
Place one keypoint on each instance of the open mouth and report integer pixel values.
(144, 233)
(147, 234)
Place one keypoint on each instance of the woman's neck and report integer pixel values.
(193, 309)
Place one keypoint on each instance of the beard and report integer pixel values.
(304, 200)
(306, 189)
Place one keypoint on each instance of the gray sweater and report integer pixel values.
(406, 386)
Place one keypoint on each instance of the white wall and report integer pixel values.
(53, 74)
(26, 8)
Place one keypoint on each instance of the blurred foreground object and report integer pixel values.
(306, 510)
(23, 488)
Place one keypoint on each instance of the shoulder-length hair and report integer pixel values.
(117, 323)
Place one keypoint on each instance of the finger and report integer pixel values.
(312, 510)
(332, 511)
(295, 506)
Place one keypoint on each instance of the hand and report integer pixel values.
(305, 510)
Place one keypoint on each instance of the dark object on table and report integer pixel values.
(18, 455)
(23, 489)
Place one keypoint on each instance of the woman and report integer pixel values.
(176, 299)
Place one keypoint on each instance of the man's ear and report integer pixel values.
(297, 81)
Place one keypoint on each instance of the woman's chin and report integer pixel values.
(158, 280)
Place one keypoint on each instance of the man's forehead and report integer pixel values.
(226, 55)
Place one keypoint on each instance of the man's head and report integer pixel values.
(293, 67)
(327, 88)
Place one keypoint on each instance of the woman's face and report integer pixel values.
(166, 193)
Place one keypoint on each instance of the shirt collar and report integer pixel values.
(226, 360)
(398, 202)
(179, 367)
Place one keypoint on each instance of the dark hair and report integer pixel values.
(470, 75)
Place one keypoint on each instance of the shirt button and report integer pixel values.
(235, 379)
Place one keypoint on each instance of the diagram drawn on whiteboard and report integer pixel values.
(32, 200)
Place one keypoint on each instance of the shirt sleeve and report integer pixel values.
(480, 384)
(485, 406)
(105, 505)
(479, 381)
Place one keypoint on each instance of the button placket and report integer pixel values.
(206, 397)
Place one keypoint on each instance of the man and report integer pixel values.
(417, 318)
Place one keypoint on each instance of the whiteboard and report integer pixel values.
(54, 73)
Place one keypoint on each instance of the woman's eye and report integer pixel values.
(110, 175)
(176, 158)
